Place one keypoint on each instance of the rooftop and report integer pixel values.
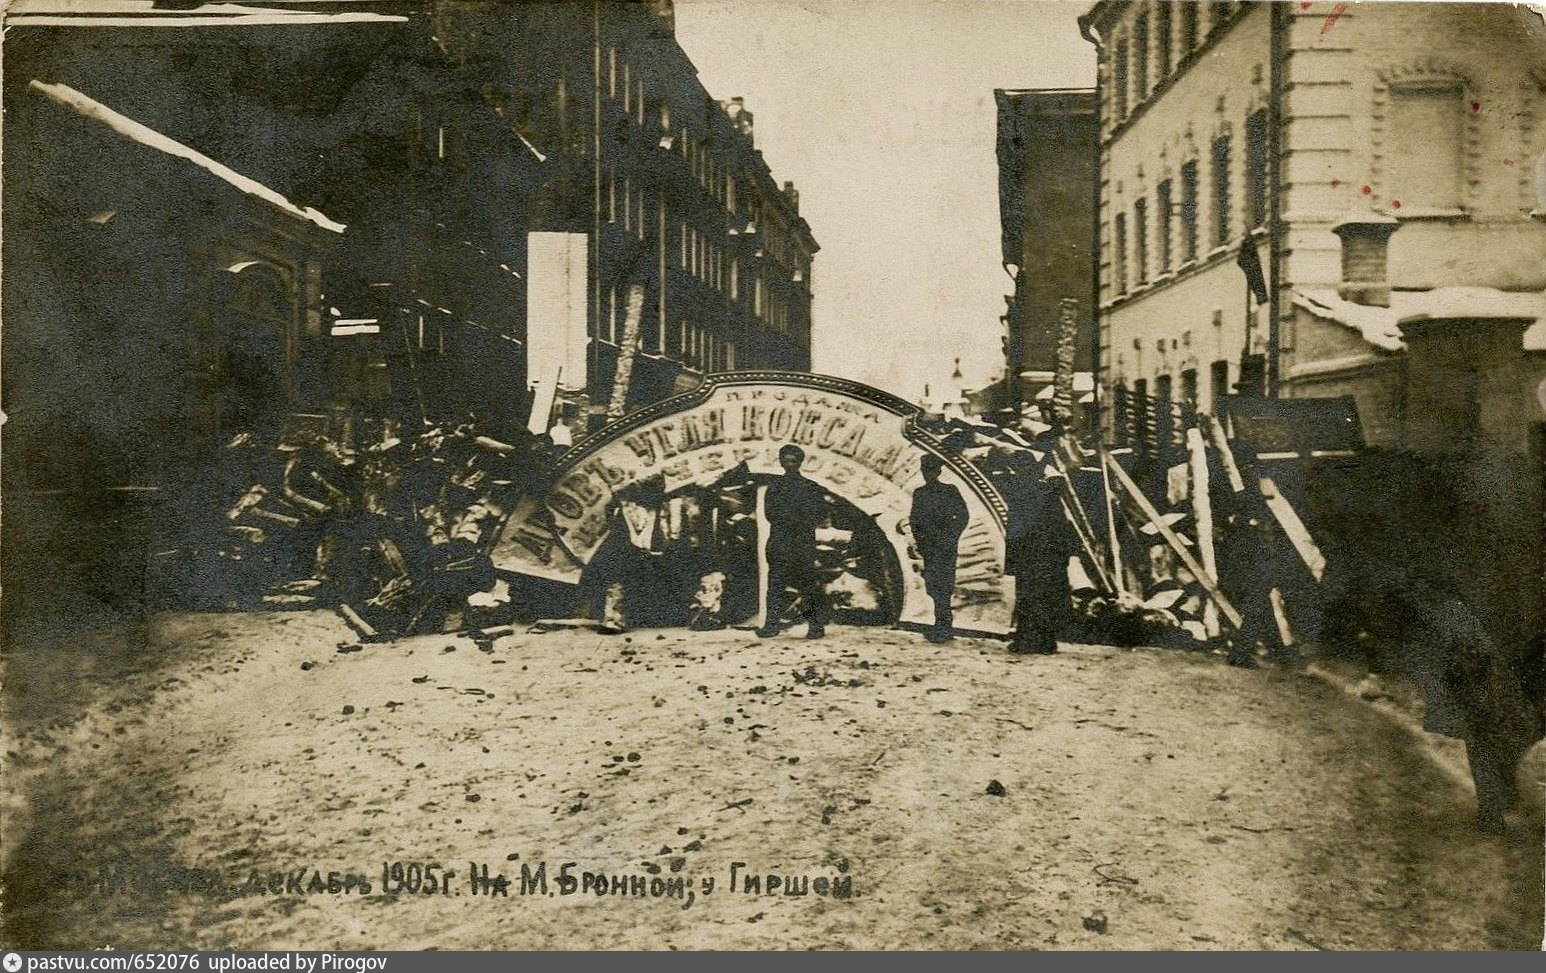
(1381, 326)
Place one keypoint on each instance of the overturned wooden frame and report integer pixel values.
(1209, 583)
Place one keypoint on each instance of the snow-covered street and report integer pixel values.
(1096, 799)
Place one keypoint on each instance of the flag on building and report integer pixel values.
(1251, 264)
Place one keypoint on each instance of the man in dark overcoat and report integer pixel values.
(937, 520)
(794, 508)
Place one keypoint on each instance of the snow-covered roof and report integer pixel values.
(144, 135)
(143, 13)
(1381, 326)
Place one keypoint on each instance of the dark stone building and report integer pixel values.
(656, 184)
(1047, 152)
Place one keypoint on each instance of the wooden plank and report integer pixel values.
(1117, 569)
(544, 391)
(1081, 522)
(1087, 542)
(359, 624)
(1280, 617)
(1226, 455)
(1298, 534)
(1202, 509)
(1205, 578)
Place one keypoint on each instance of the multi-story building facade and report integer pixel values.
(505, 171)
(1377, 159)
(217, 215)
(654, 183)
(1047, 147)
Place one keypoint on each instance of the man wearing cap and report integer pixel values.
(937, 520)
(794, 506)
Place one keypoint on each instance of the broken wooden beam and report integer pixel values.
(360, 625)
(1298, 534)
(1202, 510)
(1206, 579)
(1226, 455)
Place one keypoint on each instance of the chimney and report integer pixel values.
(793, 195)
(665, 16)
(1365, 236)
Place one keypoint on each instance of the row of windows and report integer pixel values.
(699, 255)
(1422, 146)
(1161, 37)
(691, 343)
(632, 88)
(1165, 389)
(706, 261)
(1159, 223)
(709, 172)
(703, 349)
(631, 213)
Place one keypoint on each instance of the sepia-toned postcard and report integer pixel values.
(505, 475)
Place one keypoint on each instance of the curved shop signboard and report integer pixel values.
(861, 444)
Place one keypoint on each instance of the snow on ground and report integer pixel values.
(1149, 799)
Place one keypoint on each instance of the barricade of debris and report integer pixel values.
(1141, 576)
(392, 530)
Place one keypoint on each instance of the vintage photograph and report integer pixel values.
(772, 474)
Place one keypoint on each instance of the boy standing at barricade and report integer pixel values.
(937, 521)
(794, 506)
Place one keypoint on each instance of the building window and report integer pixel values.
(1142, 412)
(1189, 211)
(1119, 80)
(735, 280)
(1163, 39)
(658, 320)
(1188, 12)
(1163, 203)
(1189, 388)
(1256, 169)
(1140, 60)
(1120, 246)
(729, 356)
(612, 317)
(1141, 240)
(627, 89)
(1221, 191)
(611, 72)
(1218, 382)
(1423, 148)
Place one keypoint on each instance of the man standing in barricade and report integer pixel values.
(794, 507)
(1250, 566)
(1039, 544)
(937, 521)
